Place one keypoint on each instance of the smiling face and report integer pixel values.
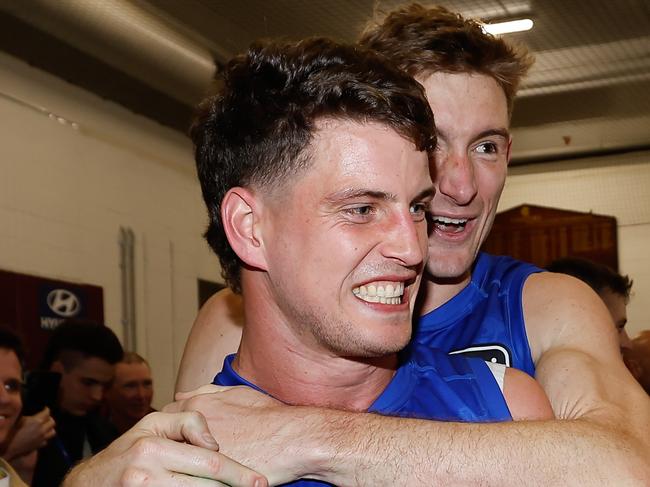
(10, 400)
(346, 239)
(471, 160)
(131, 392)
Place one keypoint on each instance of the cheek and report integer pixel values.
(17, 404)
(491, 183)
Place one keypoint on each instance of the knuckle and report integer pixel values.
(214, 464)
(196, 417)
(145, 447)
(192, 404)
(150, 419)
(134, 477)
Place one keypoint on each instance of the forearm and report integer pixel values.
(368, 450)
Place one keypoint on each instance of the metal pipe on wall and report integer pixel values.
(126, 242)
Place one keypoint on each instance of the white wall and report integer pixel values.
(64, 194)
(618, 186)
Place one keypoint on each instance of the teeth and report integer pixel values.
(450, 221)
(381, 292)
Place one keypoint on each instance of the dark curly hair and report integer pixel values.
(423, 41)
(257, 131)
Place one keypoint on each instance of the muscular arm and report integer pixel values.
(601, 436)
(525, 398)
(216, 333)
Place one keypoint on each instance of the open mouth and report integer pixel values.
(384, 292)
(446, 224)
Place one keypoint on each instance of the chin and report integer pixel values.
(453, 268)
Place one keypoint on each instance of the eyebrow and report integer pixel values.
(353, 193)
(500, 132)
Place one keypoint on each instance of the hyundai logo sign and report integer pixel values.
(64, 303)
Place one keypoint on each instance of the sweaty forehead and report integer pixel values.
(131, 371)
(460, 99)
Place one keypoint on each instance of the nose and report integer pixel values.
(624, 339)
(4, 395)
(97, 393)
(455, 176)
(406, 239)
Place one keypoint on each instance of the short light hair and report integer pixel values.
(426, 40)
(133, 358)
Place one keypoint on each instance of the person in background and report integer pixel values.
(30, 432)
(128, 399)
(613, 288)
(83, 356)
(639, 357)
(21, 446)
(11, 378)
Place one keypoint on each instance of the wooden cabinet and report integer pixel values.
(540, 235)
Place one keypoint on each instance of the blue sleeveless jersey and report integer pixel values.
(431, 385)
(485, 319)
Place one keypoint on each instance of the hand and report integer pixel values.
(252, 428)
(152, 453)
(30, 433)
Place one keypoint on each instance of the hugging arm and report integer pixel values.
(601, 436)
(164, 449)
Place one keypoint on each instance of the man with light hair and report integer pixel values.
(129, 397)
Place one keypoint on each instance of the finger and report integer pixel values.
(187, 426)
(198, 462)
(134, 476)
(205, 389)
(42, 414)
(48, 429)
(50, 433)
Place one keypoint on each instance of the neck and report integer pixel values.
(437, 291)
(290, 365)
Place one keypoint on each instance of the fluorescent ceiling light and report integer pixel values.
(508, 27)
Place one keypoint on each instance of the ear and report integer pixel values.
(509, 153)
(241, 216)
(57, 366)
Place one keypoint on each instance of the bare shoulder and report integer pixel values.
(562, 311)
(223, 305)
(525, 397)
(216, 332)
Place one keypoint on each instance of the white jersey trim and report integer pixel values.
(499, 373)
